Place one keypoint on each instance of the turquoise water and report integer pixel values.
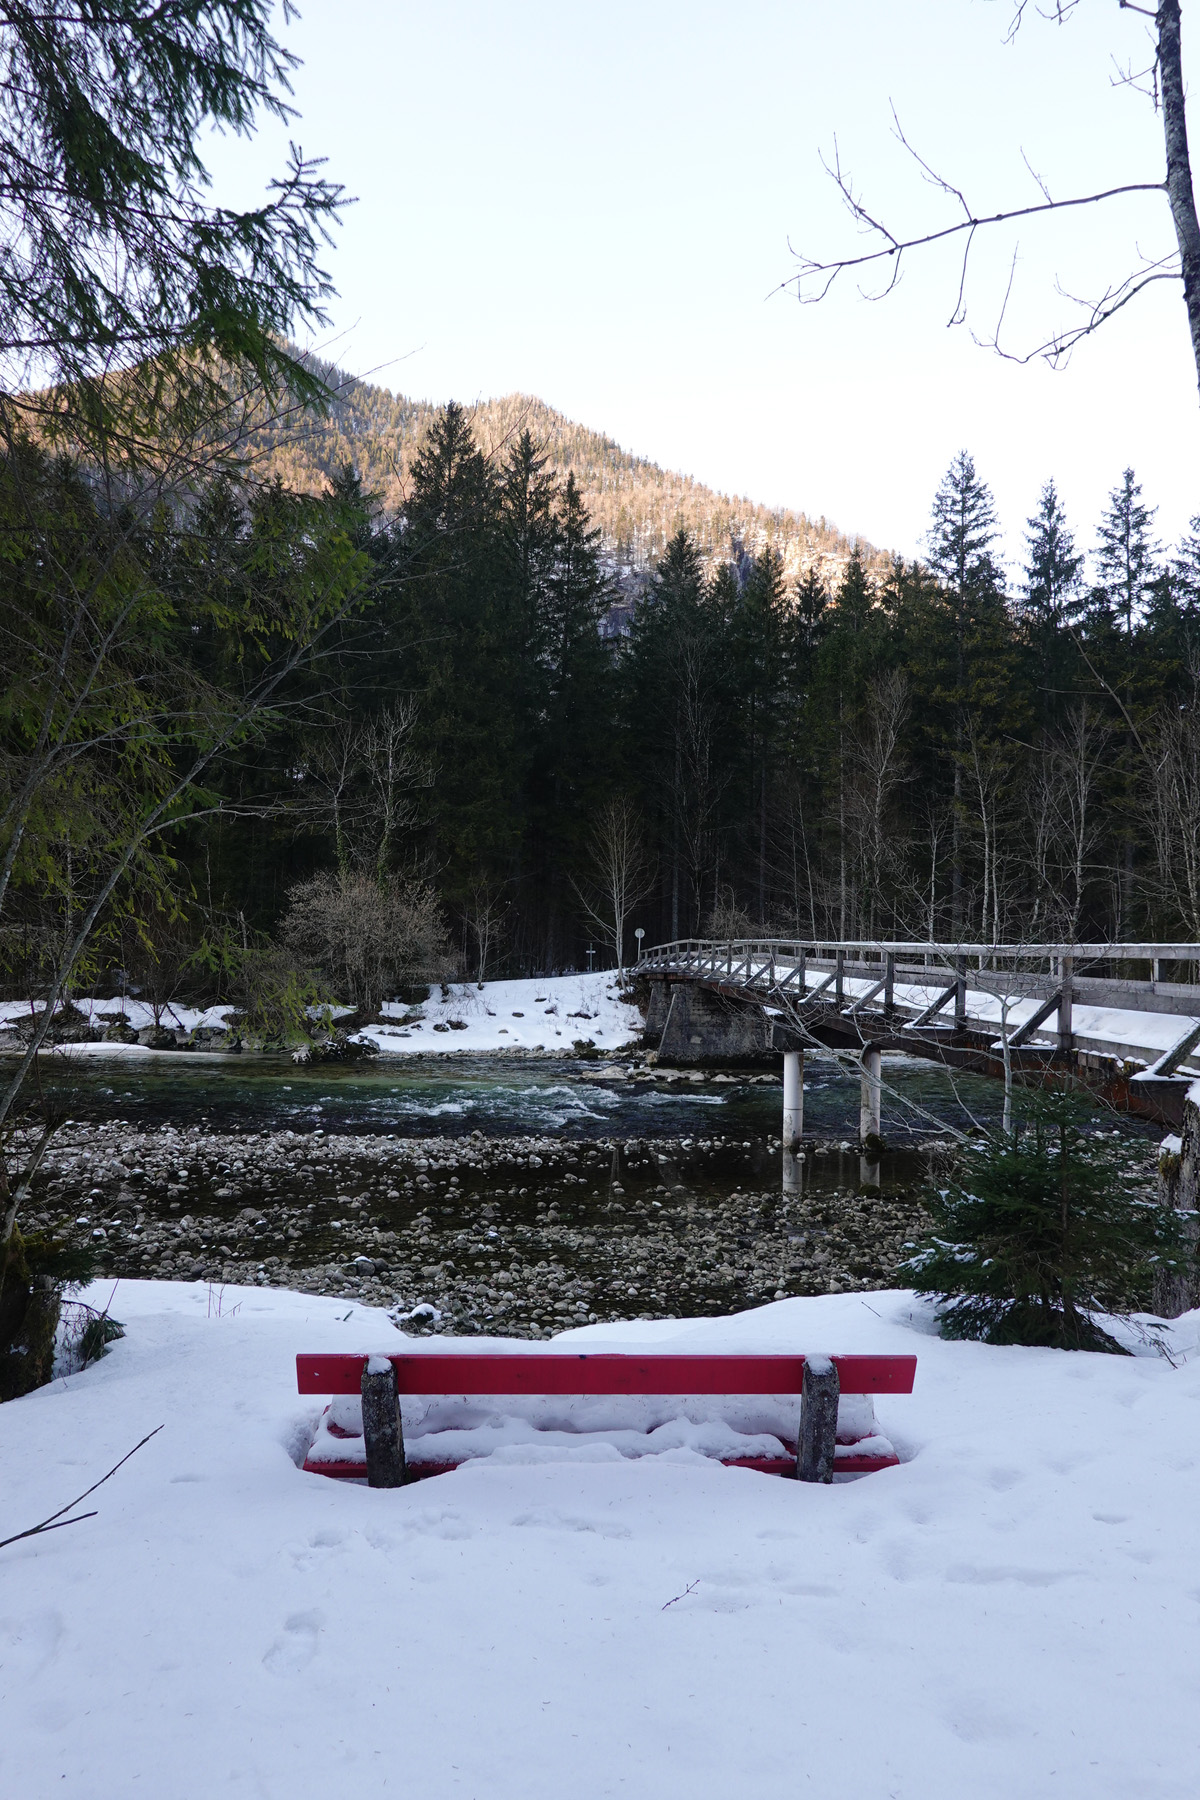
(499, 1097)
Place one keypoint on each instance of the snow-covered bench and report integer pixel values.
(361, 1433)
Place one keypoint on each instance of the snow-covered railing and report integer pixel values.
(1107, 999)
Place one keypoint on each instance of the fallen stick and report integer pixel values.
(50, 1525)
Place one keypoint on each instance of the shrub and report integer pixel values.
(368, 937)
(1037, 1233)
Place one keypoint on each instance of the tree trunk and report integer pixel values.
(1179, 168)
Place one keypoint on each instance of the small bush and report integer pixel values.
(84, 1336)
(1036, 1234)
(368, 937)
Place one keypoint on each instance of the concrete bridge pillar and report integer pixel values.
(871, 1094)
(793, 1098)
(793, 1120)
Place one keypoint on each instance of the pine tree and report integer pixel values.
(962, 532)
(1036, 1233)
(463, 655)
(1126, 553)
(572, 757)
(674, 675)
(1052, 564)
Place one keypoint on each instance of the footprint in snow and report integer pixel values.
(293, 1652)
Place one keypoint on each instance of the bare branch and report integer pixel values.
(1057, 14)
(56, 1520)
(930, 174)
(1037, 178)
(895, 247)
(1056, 350)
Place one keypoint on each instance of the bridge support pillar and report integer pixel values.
(793, 1098)
(872, 1086)
(1066, 1039)
(793, 1120)
(656, 1012)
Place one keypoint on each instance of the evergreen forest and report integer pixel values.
(475, 762)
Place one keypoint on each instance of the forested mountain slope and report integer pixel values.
(637, 505)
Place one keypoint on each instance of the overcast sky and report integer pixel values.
(593, 203)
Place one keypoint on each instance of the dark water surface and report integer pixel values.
(501, 1097)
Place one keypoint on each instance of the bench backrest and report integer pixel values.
(599, 1372)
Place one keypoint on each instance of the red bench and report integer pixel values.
(381, 1380)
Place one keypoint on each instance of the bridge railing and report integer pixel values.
(1144, 976)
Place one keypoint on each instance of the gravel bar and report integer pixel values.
(519, 1236)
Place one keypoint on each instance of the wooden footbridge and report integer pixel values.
(1123, 1018)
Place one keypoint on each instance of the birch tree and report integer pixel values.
(622, 871)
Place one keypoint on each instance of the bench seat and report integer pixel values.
(338, 1448)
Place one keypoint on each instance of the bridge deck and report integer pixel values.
(1083, 1000)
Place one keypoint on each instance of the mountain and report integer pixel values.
(637, 505)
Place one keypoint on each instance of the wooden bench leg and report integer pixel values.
(818, 1420)
(383, 1434)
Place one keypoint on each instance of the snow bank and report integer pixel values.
(1011, 1612)
(138, 1013)
(549, 1014)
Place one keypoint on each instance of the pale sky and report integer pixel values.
(593, 204)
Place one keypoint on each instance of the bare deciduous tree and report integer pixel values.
(1174, 759)
(485, 917)
(622, 871)
(367, 937)
(876, 769)
(1065, 823)
(360, 780)
(883, 260)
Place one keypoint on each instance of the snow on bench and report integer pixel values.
(361, 1431)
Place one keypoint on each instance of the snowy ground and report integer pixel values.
(139, 1013)
(548, 1014)
(1013, 1612)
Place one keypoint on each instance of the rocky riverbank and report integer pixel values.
(519, 1235)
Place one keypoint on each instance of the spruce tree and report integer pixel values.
(1052, 564)
(1051, 599)
(572, 752)
(674, 674)
(462, 657)
(962, 531)
(1037, 1233)
(757, 643)
(115, 256)
(1126, 554)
